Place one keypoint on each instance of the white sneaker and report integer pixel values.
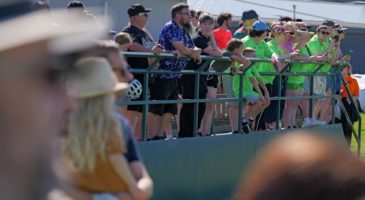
(319, 122)
(306, 123)
(310, 122)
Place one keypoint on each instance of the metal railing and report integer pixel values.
(152, 70)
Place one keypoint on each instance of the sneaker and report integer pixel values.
(310, 122)
(246, 127)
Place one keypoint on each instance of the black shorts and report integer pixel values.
(137, 108)
(212, 81)
(165, 89)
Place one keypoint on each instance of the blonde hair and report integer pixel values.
(91, 127)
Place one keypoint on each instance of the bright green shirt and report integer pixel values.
(247, 85)
(299, 67)
(316, 49)
(262, 51)
(270, 67)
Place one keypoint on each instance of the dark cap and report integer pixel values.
(329, 23)
(249, 14)
(135, 9)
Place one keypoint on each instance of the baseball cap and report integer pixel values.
(249, 14)
(328, 22)
(260, 26)
(135, 9)
(338, 27)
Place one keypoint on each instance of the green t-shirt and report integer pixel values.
(247, 85)
(316, 49)
(262, 51)
(299, 67)
(270, 67)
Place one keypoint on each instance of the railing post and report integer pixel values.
(333, 99)
(196, 103)
(145, 106)
(240, 102)
(278, 102)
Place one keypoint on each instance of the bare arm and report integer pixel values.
(144, 181)
(255, 86)
(120, 165)
(242, 60)
(263, 86)
(213, 42)
(212, 51)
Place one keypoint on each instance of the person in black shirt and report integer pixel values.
(142, 42)
(204, 40)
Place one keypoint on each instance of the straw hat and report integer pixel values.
(21, 25)
(94, 77)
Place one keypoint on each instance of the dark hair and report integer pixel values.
(223, 17)
(285, 19)
(205, 18)
(240, 25)
(178, 8)
(193, 14)
(254, 33)
(200, 13)
(234, 44)
(123, 38)
(75, 4)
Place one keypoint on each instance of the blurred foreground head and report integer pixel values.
(34, 105)
(304, 166)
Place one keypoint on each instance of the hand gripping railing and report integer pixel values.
(152, 69)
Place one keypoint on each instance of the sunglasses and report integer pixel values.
(325, 33)
(143, 14)
(340, 31)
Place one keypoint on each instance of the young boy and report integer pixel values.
(234, 51)
(252, 93)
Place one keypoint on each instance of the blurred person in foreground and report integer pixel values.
(34, 104)
(99, 153)
(304, 166)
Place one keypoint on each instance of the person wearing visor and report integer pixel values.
(34, 104)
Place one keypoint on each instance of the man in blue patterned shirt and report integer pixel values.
(174, 37)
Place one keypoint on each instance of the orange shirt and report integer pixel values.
(103, 178)
(222, 37)
(352, 85)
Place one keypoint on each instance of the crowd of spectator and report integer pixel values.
(194, 33)
(59, 116)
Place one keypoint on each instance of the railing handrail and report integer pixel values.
(218, 58)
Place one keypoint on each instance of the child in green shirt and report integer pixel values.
(252, 93)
